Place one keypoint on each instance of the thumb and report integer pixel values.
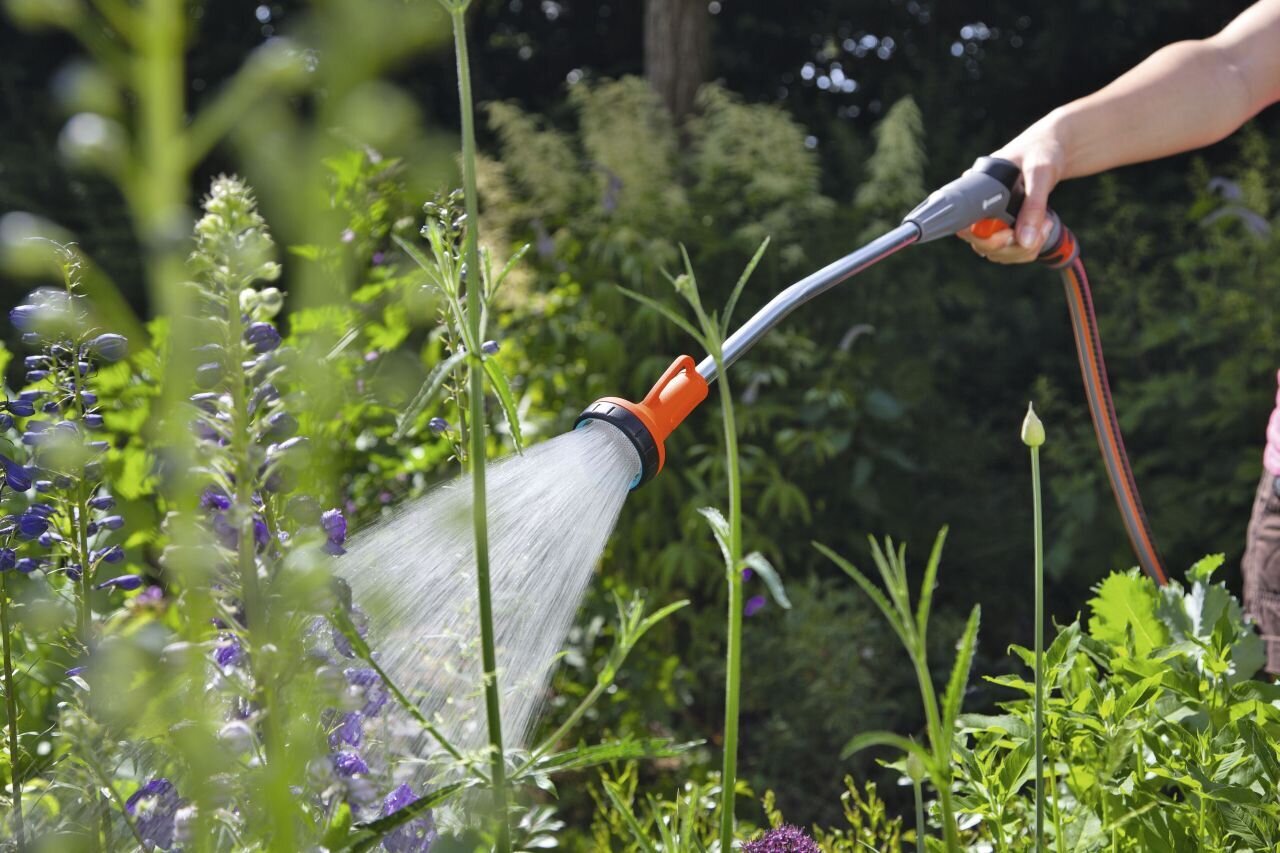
(1038, 180)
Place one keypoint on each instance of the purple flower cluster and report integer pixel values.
(784, 839)
(414, 836)
(153, 809)
(55, 419)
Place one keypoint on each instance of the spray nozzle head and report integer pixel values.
(648, 423)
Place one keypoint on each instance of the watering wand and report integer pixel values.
(988, 198)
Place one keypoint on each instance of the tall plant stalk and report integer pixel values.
(11, 715)
(476, 436)
(1033, 437)
(733, 654)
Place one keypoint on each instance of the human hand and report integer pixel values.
(1040, 156)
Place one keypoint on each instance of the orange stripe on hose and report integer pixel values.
(1102, 411)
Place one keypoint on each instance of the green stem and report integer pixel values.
(733, 654)
(915, 784)
(479, 515)
(11, 714)
(1039, 646)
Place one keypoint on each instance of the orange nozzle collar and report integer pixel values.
(648, 423)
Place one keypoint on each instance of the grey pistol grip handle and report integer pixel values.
(990, 192)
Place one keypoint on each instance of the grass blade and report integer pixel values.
(666, 312)
(873, 592)
(498, 380)
(926, 587)
(737, 288)
(426, 394)
(765, 569)
(954, 696)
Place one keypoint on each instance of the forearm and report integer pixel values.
(1184, 96)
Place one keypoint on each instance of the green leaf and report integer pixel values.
(720, 528)
(630, 749)
(499, 381)
(370, 834)
(765, 569)
(1204, 568)
(1127, 602)
(737, 288)
(623, 809)
(954, 696)
(927, 585)
(667, 312)
(867, 740)
(426, 394)
(873, 592)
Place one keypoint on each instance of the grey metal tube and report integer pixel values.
(802, 291)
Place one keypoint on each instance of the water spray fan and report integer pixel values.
(988, 198)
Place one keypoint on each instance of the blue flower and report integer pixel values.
(152, 808)
(109, 347)
(280, 425)
(27, 565)
(414, 836)
(102, 502)
(17, 477)
(209, 374)
(349, 731)
(8, 559)
(31, 525)
(124, 582)
(490, 347)
(112, 522)
(349, 763)
(334, 524)
(754, 605)
(93, 420)
(229, 651)
(262, 337)
(111, 554)
(21, 408)
(214, 498)
(6, 421)
(438, 425)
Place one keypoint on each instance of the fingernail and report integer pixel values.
(1046, 229)
(1027, 236)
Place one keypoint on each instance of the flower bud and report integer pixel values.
(1032, 429)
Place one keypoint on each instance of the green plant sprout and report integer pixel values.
(1033, 437)
(912, 629)
(710, 331)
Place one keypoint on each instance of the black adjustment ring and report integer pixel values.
(635, 431)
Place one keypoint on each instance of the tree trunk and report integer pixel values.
(677, 51)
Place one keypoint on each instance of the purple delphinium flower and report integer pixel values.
(438, 425)
(152, 808)
(348, 763)
(262, 337)
(349, 731)
(414, 836)
(8, 559)
(754, 605)
(27, 565)
(17, 477)
(229, 651)
(334, 525)
(32, 524)
(490, 347)
(784, 839)
(109, 347)
(124, 582)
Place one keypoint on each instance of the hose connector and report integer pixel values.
(648, 423)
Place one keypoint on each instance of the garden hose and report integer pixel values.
(986, 198)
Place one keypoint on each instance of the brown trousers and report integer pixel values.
(1261, 568)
